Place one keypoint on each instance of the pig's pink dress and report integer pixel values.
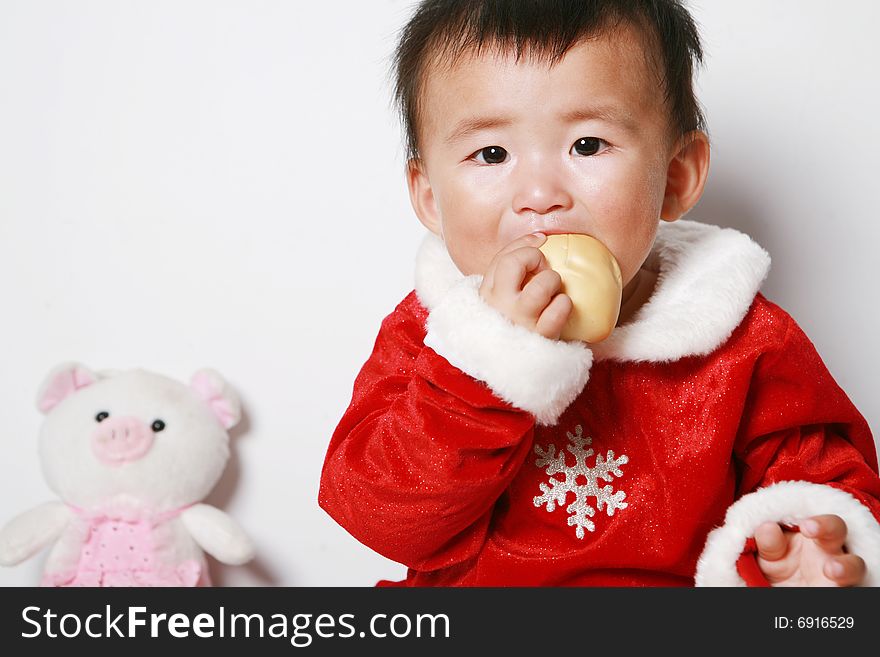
(125, 550)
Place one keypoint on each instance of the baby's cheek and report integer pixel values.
(628, 228)
(645, 188)
(471, 232)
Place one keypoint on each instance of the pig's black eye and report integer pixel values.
(103, 415)
(157, 426)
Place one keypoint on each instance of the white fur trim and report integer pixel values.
(435, 271)
(788, 502)
(523, 368)
(708, 278)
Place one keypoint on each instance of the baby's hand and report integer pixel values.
(536, 303)
(812, 557)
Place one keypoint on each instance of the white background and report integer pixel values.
(206, 183)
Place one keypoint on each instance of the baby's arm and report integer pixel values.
(421, 455)
(803, 452)
(442, 418)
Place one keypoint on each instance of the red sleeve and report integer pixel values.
(799, 425)
(422, 453)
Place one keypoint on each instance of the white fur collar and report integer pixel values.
(708, 278)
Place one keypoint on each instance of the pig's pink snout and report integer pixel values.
(120, 439)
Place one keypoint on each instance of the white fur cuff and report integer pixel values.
(787, 502)
(523, 368)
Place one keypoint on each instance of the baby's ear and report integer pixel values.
(686, 175)
(219, 396)
(421, 196)
(61, 382)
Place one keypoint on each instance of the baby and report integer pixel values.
(704, 442)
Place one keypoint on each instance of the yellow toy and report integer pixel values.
(591, 278)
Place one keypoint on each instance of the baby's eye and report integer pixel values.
(490, 155)
(588, 145)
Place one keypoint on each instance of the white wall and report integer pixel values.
(191, 183)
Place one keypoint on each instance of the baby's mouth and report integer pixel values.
(552, 225)
(559, 231)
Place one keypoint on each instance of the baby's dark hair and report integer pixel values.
(546, 29)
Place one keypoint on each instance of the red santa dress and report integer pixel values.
(479, 453)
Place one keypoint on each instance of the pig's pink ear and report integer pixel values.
(219, 395)
(62, 382)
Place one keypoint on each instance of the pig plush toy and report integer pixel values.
(130, 455)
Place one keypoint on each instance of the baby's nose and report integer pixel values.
(541, 190)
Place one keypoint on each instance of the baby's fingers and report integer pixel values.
(511, 269)
(533, 240)
(539, 291)
(829, 531)
(771, 541)
(553, 318)
(845, 570)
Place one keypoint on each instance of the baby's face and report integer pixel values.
(510, 148)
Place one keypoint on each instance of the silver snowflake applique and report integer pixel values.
(606, 468)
